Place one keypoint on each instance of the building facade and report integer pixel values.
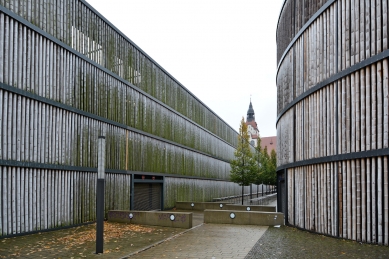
(270, 143)
(332, 125)
(67, 76)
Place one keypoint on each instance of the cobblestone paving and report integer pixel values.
(288, 242)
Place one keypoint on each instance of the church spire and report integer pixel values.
(250, 113)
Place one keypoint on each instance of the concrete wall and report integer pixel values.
(262, 208)
(243, 217)
(188, 205)
(200, 206)
(153, 218)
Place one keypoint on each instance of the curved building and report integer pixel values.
(67, 76)
(332, 125)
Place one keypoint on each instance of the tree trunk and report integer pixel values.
(242, 192)
(251, 191)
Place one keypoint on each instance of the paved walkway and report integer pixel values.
(207, 241)
(201, 241)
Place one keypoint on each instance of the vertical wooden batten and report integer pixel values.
(341, 128)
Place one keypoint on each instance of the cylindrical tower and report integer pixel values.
(332, 125)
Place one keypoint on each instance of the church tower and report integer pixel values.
(252, 127)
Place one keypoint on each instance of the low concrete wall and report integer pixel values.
(243, 217)
(264, 200)
(152, 218)
(250, 208)
(189, 205)
(261, 200)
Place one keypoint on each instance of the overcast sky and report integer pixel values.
(223, 51)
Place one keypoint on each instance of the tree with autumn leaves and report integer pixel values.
(243, 167)
(266, 171)
(252, 168)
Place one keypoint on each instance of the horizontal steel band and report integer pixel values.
(81, 56)
(369, 61)
(302, 30)
(24, 164)
(336, 158)
(96, 117)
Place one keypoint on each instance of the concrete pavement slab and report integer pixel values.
(206, 241)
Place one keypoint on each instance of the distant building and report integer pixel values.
(252, 126)
(270, 143)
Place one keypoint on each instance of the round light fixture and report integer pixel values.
(248, 208)
(131, 215)
(221, 205)
(232, 215)
(192, 204)
(172, 217)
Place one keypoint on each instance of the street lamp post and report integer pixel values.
(100, 195)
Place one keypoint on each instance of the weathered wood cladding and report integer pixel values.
(77, 25)
(179, 189)
(349, 196)
(39, 199)
(41, 137)
(346, 114)
(336, 40)
(35, 64)
(312, 198)
(293, 17)
(66, 77)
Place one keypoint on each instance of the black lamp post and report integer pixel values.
(100, 195)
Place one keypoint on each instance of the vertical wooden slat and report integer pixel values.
(363, 201)
(373, 200)
(368, 109)
(379, 200)
(2, 43)
(358, 200)
(17, 199)
(353, 209)
(348, 198)
(363, 111)
(29, 209)
(368, 201)
(35, 202)
(25, 201)
(2, 133)
(386, 201)
(5, 202)
(343, 200)
(66, 216)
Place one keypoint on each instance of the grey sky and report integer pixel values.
(223, 51)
